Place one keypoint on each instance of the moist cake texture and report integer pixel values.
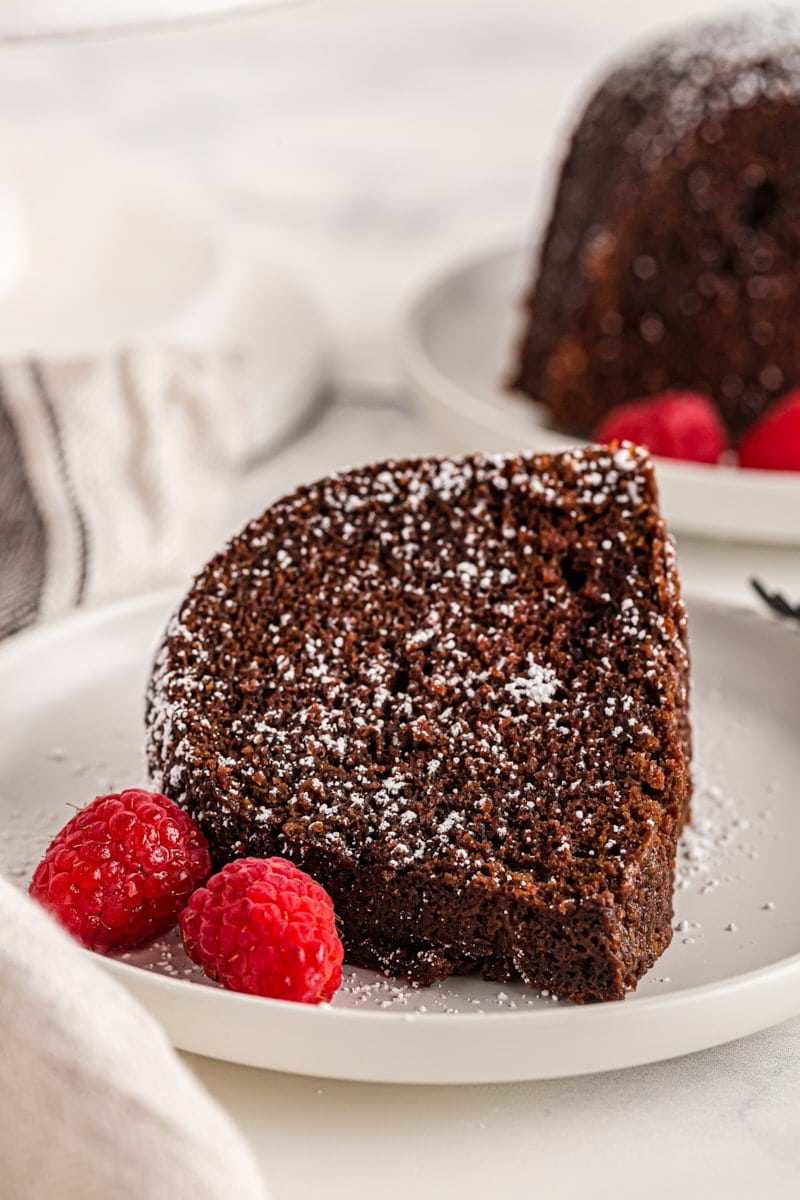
(670, 260)
(454, 691)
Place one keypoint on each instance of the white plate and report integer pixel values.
(457, 344)
(71, 715)
(111, 252)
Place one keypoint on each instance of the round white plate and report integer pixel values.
(71, 715)
(457, 345)
(109, 253)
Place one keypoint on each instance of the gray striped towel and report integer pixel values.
(115, 472)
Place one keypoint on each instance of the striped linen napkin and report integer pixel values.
(115, 471)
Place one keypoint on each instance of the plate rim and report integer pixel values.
(789, 965)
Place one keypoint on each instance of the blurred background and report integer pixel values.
(366, 141)
(348, 149)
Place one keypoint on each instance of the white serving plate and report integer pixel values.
(457, 343)
(71, 713)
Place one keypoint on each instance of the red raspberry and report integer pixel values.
(773, 444)
(122, 869)
(263, 926)
(673, 425)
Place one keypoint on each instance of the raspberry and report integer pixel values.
(122, 869)
(773, 444)
(673, 425)
(263, 926)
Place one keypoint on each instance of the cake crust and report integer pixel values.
(454, 691)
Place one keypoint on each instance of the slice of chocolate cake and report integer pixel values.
(454, 691)
(670, 260)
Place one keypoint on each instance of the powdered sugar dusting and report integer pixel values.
(704, 72)
(537, 686)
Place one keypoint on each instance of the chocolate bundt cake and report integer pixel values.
(671, 256)
(455, 692)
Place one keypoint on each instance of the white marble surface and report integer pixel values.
(367, 143)
(719, 1124)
